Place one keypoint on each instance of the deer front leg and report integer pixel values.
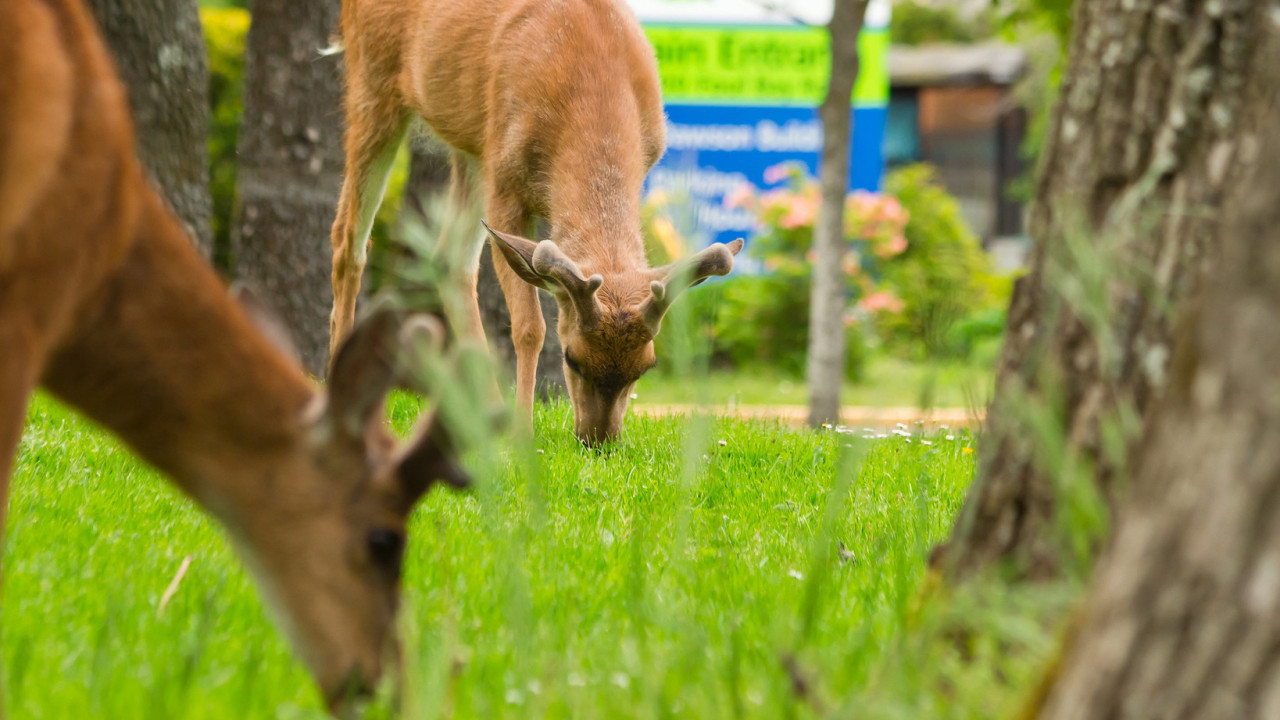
(460, 244)
(373, 137)
(528, 329)
(18, 372)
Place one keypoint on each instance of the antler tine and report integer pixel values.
(550, 262)
(684, 274)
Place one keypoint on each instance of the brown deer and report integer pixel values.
(105, 303)
(556, 103)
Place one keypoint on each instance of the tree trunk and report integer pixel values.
(827, 299)
(158, 48)
(291, 167)
(1126, 212)
(1184, 617)
(429, 176)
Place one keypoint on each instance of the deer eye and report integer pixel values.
(573, 364)
(386, 547)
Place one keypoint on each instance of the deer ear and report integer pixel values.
(265, 319)
(518, 252)
(427, 459)
(362, 373)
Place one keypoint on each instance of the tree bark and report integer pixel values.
(158, 48)
(1127, 205)
(1184, 617)
(290, 167)
(429, 176)
(827, 298)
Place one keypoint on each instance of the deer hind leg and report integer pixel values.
(528, 329)
(374, 133)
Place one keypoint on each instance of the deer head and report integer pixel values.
(323, 527)
(607, 323)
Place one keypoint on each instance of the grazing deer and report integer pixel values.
(105, 303)
(557, 102)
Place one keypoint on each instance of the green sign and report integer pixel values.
(776, 66)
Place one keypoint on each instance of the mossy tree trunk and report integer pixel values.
(158, 48)
(1142, 147)
(1184, 617)
(290, 167)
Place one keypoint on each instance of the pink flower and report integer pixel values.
(776, 173)
(800, 213)
(863, 201)
(894, 212)
(739, 197)
(896, 245)
(776, 199)
(882, 301)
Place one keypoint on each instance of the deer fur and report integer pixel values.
(106, 304)
(555, 104)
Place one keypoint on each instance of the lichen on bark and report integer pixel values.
(1126, 221)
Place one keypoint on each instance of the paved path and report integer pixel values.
(852, 416)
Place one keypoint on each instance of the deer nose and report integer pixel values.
(346, 697)
(595, 435)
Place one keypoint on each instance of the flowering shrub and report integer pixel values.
(874, 227)
(914, 270)
(944, 277)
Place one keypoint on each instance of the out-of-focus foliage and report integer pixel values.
(943, 277)
(224, 34)
(916, 23)
(919, 283)
(1043, 29)
(1018, 17)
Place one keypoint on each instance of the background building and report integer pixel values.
(952, 106)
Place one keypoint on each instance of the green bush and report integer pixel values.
(751, 321)
(942, 278)
(919, 283)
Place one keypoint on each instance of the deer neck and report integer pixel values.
(170, 363)
(595, 184)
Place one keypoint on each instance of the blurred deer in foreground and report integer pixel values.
(105, 303)
(557, 105)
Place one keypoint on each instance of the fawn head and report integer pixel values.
(607, 323)
(325, 531)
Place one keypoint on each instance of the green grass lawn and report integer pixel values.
(678, 575)
(887, 382)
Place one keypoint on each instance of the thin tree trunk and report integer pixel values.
(1126, 210)
(158, 48)
(827, 299)
(290, 167)
(1184, 617)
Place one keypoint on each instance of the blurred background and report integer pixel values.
(948, 113)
